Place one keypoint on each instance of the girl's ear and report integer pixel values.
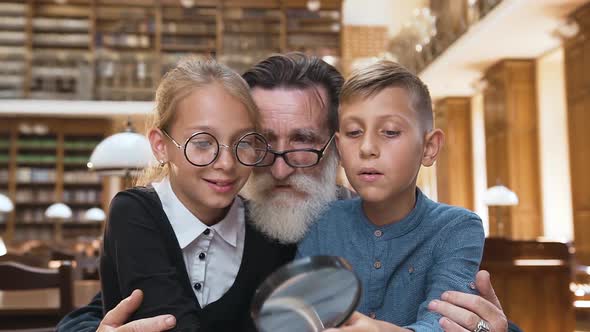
(158, 143)
(337, 141)
(433, 143)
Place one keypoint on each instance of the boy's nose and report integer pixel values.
(368, 148)
(280, 170)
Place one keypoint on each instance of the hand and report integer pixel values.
(461, 311)
(361, 323)
(113, 320)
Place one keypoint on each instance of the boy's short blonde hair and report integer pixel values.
(371, 80)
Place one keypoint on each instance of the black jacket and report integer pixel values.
(141, 252)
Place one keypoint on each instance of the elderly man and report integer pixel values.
(298, 99)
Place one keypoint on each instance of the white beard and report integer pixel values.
(282, 216)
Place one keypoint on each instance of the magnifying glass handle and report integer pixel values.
(300, 307)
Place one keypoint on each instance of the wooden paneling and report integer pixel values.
(512, 152)
(577, 62)
(454, 167)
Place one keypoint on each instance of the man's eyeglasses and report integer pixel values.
(202, 148)
(296, 158)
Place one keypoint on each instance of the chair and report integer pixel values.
(19, 277)
(30, 260)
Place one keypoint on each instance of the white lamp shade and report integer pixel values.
(5, 204)
(94, 214)
(499, 196)
(122, 151)
(313, 5)
(3, 250)
(58, 211)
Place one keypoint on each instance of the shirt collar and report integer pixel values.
(187, 227)
(230, 225)
(401, 227)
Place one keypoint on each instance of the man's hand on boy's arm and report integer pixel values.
(462, 312)
(361, 323)
(113, 321)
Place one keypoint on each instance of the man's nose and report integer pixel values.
(280, 170)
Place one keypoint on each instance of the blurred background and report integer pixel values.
(510, 81)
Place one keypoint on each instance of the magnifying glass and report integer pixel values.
(307, 295)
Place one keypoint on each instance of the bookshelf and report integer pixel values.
(46, 164)
(126, 51)
(250, 32)
(314, 32)
(114, 50)
(60, 46)
(13, 48)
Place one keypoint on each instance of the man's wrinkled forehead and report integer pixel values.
(284, 109)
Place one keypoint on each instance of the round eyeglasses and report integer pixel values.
(296, 158)
(202, 148)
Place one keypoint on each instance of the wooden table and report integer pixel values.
(40, 307)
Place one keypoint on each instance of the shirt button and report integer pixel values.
(202, 256)
(378, 233)
(198, 286)
(207, 231)
(411, 269)
(377, 265)
(472, 285)
(372, 315)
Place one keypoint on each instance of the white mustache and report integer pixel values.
(283, 217)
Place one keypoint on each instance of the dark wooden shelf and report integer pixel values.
(186, 48)
(105, 30)
(60, 47)
(82, 204)
(35, 184)
(88, 149)
(83, 184)
(246, 32)
(253, 19)
(59, 30)
(50, 223)
(32, 204)
(189, 34)
(37, 164)
(201, 19)
(75, 166)
(312, 32)
(37, 150)
(312, 20)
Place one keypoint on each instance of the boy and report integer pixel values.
(406, 249)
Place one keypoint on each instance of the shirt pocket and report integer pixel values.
(413, 279)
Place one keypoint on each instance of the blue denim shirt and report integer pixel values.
(404, 265)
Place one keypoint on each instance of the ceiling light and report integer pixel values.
(313, 5)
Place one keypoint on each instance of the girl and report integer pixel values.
(185, 238)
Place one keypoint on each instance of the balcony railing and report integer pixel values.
(432, 30)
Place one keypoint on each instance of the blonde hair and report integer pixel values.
(178, 84)
(369, 81)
